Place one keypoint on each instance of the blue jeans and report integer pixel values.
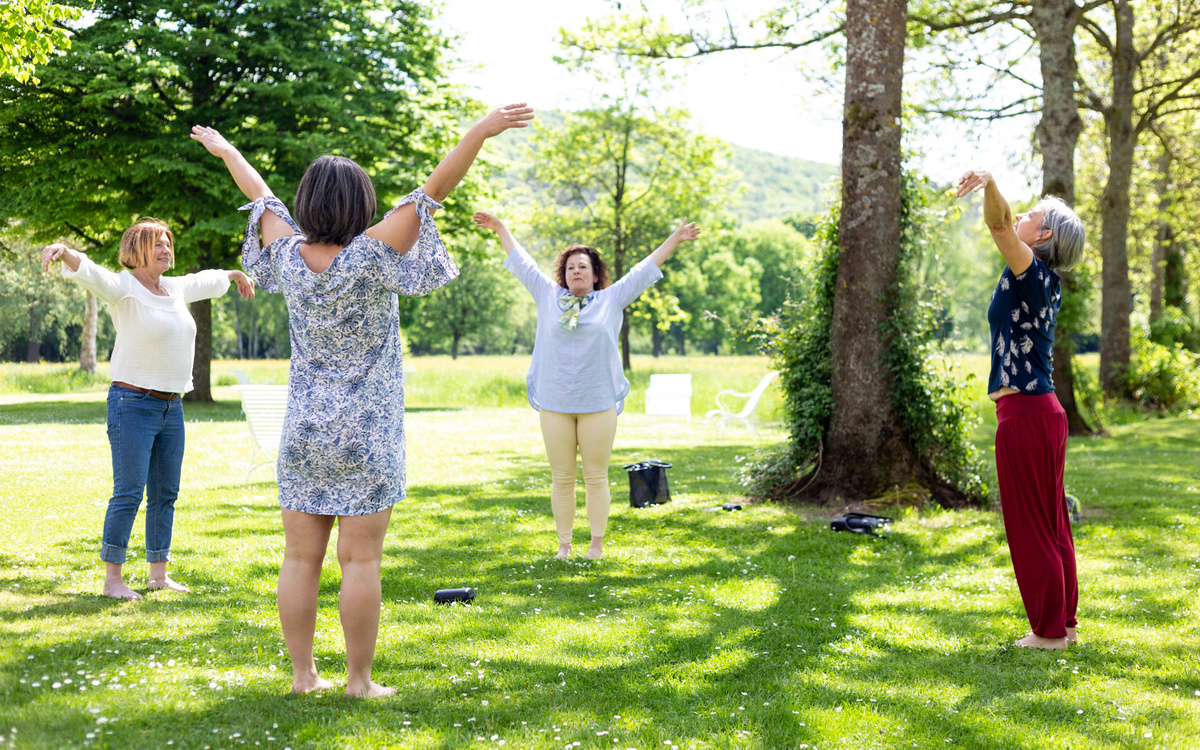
(146, 435)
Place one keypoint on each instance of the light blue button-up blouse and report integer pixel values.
(579, 371)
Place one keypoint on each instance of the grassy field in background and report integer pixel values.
(699, 629)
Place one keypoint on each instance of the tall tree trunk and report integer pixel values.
(1116, 302)
(625, 361)
(656, 338)
(1175, 283)
(202, 362)
(87, 341)
(33, 353)
(454, 344)
(1054, 23)
(1164, 237)
(867, 451)
(237, 313)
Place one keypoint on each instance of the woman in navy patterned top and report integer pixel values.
(1031, 434)
(342, 453)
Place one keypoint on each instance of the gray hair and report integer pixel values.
(1067, 236)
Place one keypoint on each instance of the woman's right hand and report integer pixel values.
(59, 251)
(499, 120)
(488, 221)
(972, 181)
(212, 140)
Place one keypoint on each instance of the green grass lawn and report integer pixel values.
(755, 629)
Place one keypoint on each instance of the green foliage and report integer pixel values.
(781, 252)
(30, 31)
(778, 186)
(35, 306)
(104, 137)
(929, 391)
(1175, 327)
(800, 343)
(468, 313)
(1162, 377)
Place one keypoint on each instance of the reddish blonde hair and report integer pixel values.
(137, 244)
(599, 267)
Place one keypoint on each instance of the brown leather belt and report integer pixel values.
(147, 391)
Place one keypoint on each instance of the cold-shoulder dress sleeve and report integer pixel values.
(427, 265)
(256, 260)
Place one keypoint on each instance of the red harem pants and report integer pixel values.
(1031, 452)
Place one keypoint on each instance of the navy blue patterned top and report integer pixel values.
(1022, 315)
(342, 452)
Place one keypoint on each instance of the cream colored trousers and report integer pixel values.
(592, 436)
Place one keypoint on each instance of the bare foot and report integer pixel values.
(564, 551)
(309, 684)
(595, 549)
(118, 590)
(1072, 636)
(156, 584)
(1036, 641)
(371, 690)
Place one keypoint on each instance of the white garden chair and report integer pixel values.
(669, 395)
(264, 406)
(726, 413)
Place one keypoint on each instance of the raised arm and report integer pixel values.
(247, 178)
(489, 221)
(101, 282)
(685, 232)
(70, 258)
(999, 219)
(400, 228)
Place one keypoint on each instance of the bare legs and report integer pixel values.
(306, 537)
(360, 548)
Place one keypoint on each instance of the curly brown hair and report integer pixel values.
(599, 267)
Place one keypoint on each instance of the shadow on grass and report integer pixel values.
(718, 590)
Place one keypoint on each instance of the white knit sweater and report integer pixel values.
(155, 335)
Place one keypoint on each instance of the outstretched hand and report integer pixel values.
(504, 118)
(485, 220)
(51, 253)
(973, 181)
(212, 140)
(686, 231)
(245, 284)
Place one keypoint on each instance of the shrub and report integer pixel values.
(1174, 327)
(1162, 377)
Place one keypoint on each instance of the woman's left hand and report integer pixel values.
(245, 284)
(686, 231)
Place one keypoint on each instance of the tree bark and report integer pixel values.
(867, 451)
(87, 342)
(33, 352)
(1164, 236)
(1116, 302)
(455, 336)
(202, 361)
(1054, 23)
(656, 339)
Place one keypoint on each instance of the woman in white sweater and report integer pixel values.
(151, 368)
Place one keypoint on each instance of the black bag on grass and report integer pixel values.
(648, 483)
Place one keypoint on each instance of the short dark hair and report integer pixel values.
(599, 267)
(335, 201)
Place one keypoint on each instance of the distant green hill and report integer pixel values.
(775, 186)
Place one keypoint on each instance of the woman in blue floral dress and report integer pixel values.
(342, 454)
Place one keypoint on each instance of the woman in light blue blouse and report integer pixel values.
(575, 381)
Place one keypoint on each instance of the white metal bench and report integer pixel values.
(669, 395)
(726, 413)
(264, 406)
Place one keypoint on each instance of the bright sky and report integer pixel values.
(756, 99)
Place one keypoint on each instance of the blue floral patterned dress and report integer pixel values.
(343, 451)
